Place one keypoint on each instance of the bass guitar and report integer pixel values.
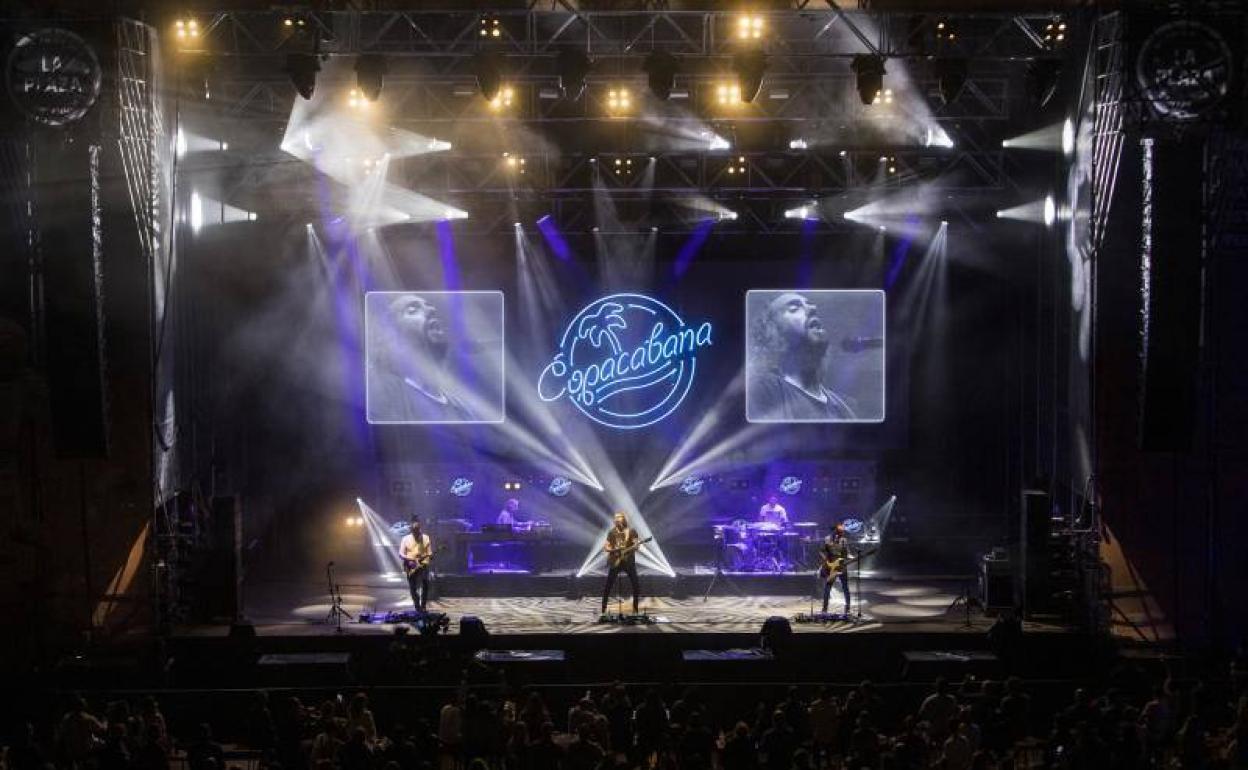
(412, 566)
(616, 558)
(833, 567)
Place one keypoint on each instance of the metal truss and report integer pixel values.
(434, 102)
(805, 30)
(1110, 109)
(764, 175)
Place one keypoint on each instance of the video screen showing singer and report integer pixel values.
(815, 355)
(434, 357)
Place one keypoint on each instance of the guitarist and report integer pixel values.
(621, 549)
(416, 551)
(835, 552)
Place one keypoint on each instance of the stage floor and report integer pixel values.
(892, 605)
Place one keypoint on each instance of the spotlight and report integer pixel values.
(727, 94)
(514, 163)
(487, 68)
(294, 23)
(1050, 211)
(356, 100)
(1055, 32)
(738, 167)
(302, 69)
(945, 31)
(727, 214)
(370, 72)
(750, 27)
(749, 67)
(806, 211)
(883, 97)
(619, 100)
(660, 69)
(186, 30)
(573, 67)
(870, 76)
(1068, 138)
(797, 144)
(950, 78)
(491, 27)
(503, 99)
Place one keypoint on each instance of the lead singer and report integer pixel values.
(621, 550)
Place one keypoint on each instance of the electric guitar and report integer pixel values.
(835, 566)
(412, 566)
(616, 558)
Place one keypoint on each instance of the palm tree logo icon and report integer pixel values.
(603, 323)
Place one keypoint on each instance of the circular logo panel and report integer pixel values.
(53, 77)
(626, 361)
(1184, 68)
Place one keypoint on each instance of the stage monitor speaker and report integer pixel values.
(473, 632)
(67, 195)
(1170, 312)
(776, 635)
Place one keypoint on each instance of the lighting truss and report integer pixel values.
(804, 30)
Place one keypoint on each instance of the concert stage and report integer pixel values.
(908, 628)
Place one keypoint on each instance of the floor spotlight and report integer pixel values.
(573, 67)
(1050, 211)
(749, 67)
(660, 69)
(869, 72)
(370, 72)
(302, 69)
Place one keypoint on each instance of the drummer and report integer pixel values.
(773, 514)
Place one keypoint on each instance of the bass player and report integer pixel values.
(835, 552)
(416, 551)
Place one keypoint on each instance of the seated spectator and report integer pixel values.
(79, 733)
(739, 752)
(356, 753)
(203, 752)
(584, 753)
(775, 748)
(825, 719)
(359, 716)
(544, 752)
(938, 709)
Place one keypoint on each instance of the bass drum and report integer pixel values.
(737, 556)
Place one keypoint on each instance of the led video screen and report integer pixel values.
(815, 355)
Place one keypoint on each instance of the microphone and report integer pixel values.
(859, 344)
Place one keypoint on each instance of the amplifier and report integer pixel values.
(996, 582)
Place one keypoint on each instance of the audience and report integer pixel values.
(976, 725)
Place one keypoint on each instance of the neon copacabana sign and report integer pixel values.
(626, 361)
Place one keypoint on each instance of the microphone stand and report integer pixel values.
(336, 610)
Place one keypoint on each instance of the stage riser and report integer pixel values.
(630, 656)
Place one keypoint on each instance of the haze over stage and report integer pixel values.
(899, 324)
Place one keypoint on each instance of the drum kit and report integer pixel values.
(746, 546)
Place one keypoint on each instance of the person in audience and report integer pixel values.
(203, 752)
(938, 709)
